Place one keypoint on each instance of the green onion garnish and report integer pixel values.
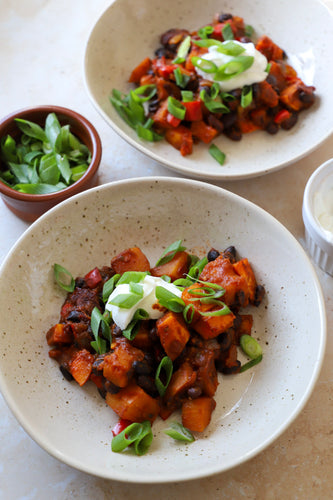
(181, 79)
(205, 31)
(170, 252)
(250, 346)
(217, 154)
(133, 327)
(131, 277)
(250, 364)
(169, 300)
(109, 286)
(233, 68)
(138, 435)
(188, 313)
(227, 32)
(99, 321)
(204, 64)
(179, 432)
(197, 268)
(213, 105)
(246, 97)
(268, 67)
(64, 278)
(126, 300)
(249, 30)
(182, 51)
(176, 108)
(166, 367)
(187, 95)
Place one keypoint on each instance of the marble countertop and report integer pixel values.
(37, 67)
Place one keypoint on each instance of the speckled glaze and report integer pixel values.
(87, 230)
(110, 58)
(30, 206)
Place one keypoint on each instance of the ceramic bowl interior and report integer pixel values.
(29, 206)
(113, 51)
(74, 424)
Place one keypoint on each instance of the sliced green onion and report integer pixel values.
(131, 277)
(214, 106)
(126, 300)
(145, 92)
(133, 327)
(187, 95)
(166, 367)
(205, 31)
(182, 51)
(208, 42)
(268, 67)
(183, 282)
(97, 322)
(64, 278)
(181, 79)
(179, 432)
(176, 108)
(170, 252)
(204, 64)
(249, 30)
(227, 32)
(169, 300)
(109, 286)
(197, 268)
(251, 363)
(233, 68)
(231, 48)
(219, 312)
(250, 346)
(247, 96)
(188, 313)
(139, 435)
(217, 154)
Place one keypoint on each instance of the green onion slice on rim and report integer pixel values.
(179, 432)
(217, 154)
(250, 346)
(64, 278)
(138, 435)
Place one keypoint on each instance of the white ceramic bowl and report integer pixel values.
(318, 239)
(129, 31)
(74, 424)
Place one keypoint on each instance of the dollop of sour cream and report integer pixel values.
(255, 74)
(323, 207)
(122, 317)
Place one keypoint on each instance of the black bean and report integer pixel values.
(259, 295)
(141, 368)
(245, 39)
(79, 282)
(272, 128)
(304, 96)
(229, 119)
(229, 370)
(66, 373)
(74, 316)
(194, 392)
(110, 387)
(233, 133)
(214, 122)
(102, 392)
(224, 17)
(164, 52)
(225, 340)
(212, 254)
(230, 253)
(289, 122)
(147, 384)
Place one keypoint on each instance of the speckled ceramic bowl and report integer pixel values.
(30, 206)
(113, 51)
(74, 424)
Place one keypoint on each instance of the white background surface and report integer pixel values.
(42, 45)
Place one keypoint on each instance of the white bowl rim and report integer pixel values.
(256, 450)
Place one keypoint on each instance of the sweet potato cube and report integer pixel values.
(180, 138)
(140, 70)
(204, 132)
(81, 366)
(180, 381)
(142, 339)
(197, 413)
(243, 268)
(210, 327)
(222, 272)
(59, 335)
(118, 366)
(175, 268)
(270, 50)
(134, 404)
(207, 374)
(132, 259)
(173, 333)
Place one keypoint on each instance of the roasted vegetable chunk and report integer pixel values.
(118, 366)
(134, 404)
(132, 259)
(173, 334)
(197, 413)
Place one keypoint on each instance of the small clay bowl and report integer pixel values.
(31, 206)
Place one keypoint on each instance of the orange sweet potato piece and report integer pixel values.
(180, 381)
(202, 131)
(81, 366)
(142, 339)
(173, 334)
(206, 374)
(290, 96)
(133, 403)
(266, 95)
(197, 413)
(222, 272)
(140, 70)
(270, 50)
(59, 335)
(243, 268)
(175, 268)
(132, 259)
(118, 366)
(180, 138)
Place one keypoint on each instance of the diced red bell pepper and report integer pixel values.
(93, 278)
(172, 120)
(193, 111)
(120, 426)
(166, 70)
(281, 116)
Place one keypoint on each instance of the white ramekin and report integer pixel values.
(319, 244)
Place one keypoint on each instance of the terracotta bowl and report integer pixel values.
(30, 206)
